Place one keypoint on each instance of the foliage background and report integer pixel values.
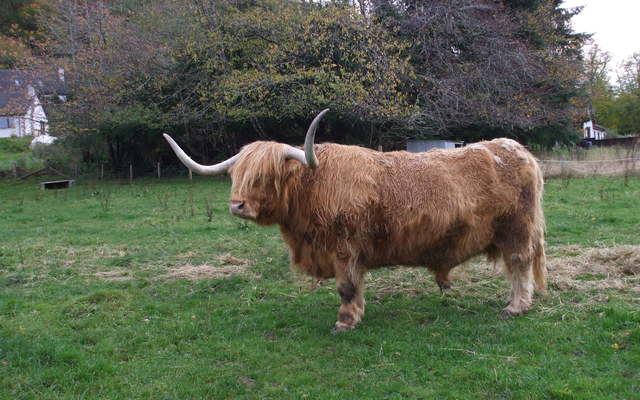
(220, 74)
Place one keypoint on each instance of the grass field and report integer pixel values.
(153, 291)
(16, 150)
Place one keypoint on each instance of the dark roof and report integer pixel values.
(46, 83)
(14, 102)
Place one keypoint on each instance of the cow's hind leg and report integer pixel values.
(519, 271)
(350, 285)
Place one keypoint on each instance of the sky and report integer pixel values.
(614, 23)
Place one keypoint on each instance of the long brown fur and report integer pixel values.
(362, 209)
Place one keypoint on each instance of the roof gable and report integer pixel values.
(15, 102)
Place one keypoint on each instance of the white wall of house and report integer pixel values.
(33, 123)
(593, 131)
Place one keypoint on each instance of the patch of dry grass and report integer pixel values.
(115, 275)
(578, 268)
(228, 266)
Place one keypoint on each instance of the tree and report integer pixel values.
(489, 67)
(270, 65)
(626, 118)
(223, 73)
(21, 35)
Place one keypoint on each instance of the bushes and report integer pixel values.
(9, 146)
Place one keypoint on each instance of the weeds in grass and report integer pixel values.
(104, 197)
(605, 194)
(191, 204)
(630, 163)
(243, 225)
(208, 208)
(21, 255)
(163, 200)
(19, 205)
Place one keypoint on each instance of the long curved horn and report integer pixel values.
(309, 154)
(295, 154)
(215, 169)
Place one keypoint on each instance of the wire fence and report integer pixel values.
(591, 168)
(93, 172)
(617, 167)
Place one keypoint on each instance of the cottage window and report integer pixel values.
(6, 122)
(42, 128)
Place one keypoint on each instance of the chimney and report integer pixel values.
(61, 74)
(32, 91)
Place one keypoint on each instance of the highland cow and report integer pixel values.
(343, 210)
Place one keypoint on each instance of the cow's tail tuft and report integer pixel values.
(540, 268)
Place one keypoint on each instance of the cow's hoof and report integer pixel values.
(508, 313)
(341, 327)
(443, 285)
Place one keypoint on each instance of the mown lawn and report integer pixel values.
(94, 303)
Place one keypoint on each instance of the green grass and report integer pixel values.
(16, 150)
(66, 332)
(595, 212)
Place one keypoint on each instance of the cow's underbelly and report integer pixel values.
(457, 244)
(411, 246)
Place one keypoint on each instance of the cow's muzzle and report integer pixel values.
(241, 209)
(237, 208)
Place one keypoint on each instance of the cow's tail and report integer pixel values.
(539, 267)
(539, 257)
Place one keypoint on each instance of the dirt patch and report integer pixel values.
(228, 266)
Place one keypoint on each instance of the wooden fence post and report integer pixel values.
(130, 173)
(15, 170)
(190, 175)
(158, 169)
(101, 171)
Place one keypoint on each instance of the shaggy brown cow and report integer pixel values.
(345, 209)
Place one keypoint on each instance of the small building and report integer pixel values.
(419, 146)
(591, 130)
(23, 99)
(22, 114)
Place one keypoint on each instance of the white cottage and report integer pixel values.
(591, 130)
(22, 94)
(21, 114)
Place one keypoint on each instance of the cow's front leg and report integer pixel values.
(350, 285)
